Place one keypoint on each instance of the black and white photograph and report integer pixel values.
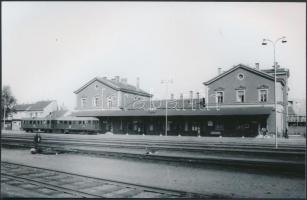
(157, 99)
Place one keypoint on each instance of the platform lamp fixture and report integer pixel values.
(166, 82)
(265, 42)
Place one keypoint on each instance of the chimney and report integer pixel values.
(257, 66)
(172, 96)
(116, 78)
(219, 71)
(138, 83)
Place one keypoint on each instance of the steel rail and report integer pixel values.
(162, 192)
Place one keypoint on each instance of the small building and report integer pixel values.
(38, 109)
(296, 118)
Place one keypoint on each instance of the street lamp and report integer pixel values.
(265, 42)
(166, 82)
(4, 112)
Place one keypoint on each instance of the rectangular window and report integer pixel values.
(263, 95)
(241, 96)
(83, 102)
(109, 102)
(95, 101)
(219, 97)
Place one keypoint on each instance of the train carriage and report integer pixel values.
(68, 124)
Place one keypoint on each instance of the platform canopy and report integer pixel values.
(259, 110)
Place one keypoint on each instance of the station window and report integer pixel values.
(240, 96)
(65, 122)
(219, 97)
(80, 122)
(69, 122)
(263, 95)
(83, 102)
(109, 102)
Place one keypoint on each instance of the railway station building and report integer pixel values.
(237, 102)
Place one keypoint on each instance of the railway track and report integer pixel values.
(32, 181)
(262, 150)
(264, 157)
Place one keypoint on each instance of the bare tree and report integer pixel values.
(8, 101)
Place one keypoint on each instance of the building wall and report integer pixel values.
(229, 83)
(103, 92)
(20, 114)
(251, 81)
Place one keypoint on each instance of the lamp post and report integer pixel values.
(4, 108)
(265, 42)
(166, 82)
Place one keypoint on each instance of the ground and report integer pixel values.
(192, 179)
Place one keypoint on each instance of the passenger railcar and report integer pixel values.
(61, 125)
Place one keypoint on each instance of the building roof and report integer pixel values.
(21, 107)
(116, 85)
(255, 71)
(56, 114)
(229, 111)
(73, 118)
(161, 104)
(38, 106)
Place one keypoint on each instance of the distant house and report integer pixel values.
(108, 94)
(296, 118)
(38, 109)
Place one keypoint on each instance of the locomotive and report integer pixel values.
(67, 124)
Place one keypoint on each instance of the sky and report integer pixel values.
(51, 49)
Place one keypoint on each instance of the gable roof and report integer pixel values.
(116, 85)
(40, 105)
(21, 107)
(258, 72)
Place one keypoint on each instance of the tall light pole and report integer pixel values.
(166, 82)
(265, 42)
(4, 108)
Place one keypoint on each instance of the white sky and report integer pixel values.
(50, 49)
